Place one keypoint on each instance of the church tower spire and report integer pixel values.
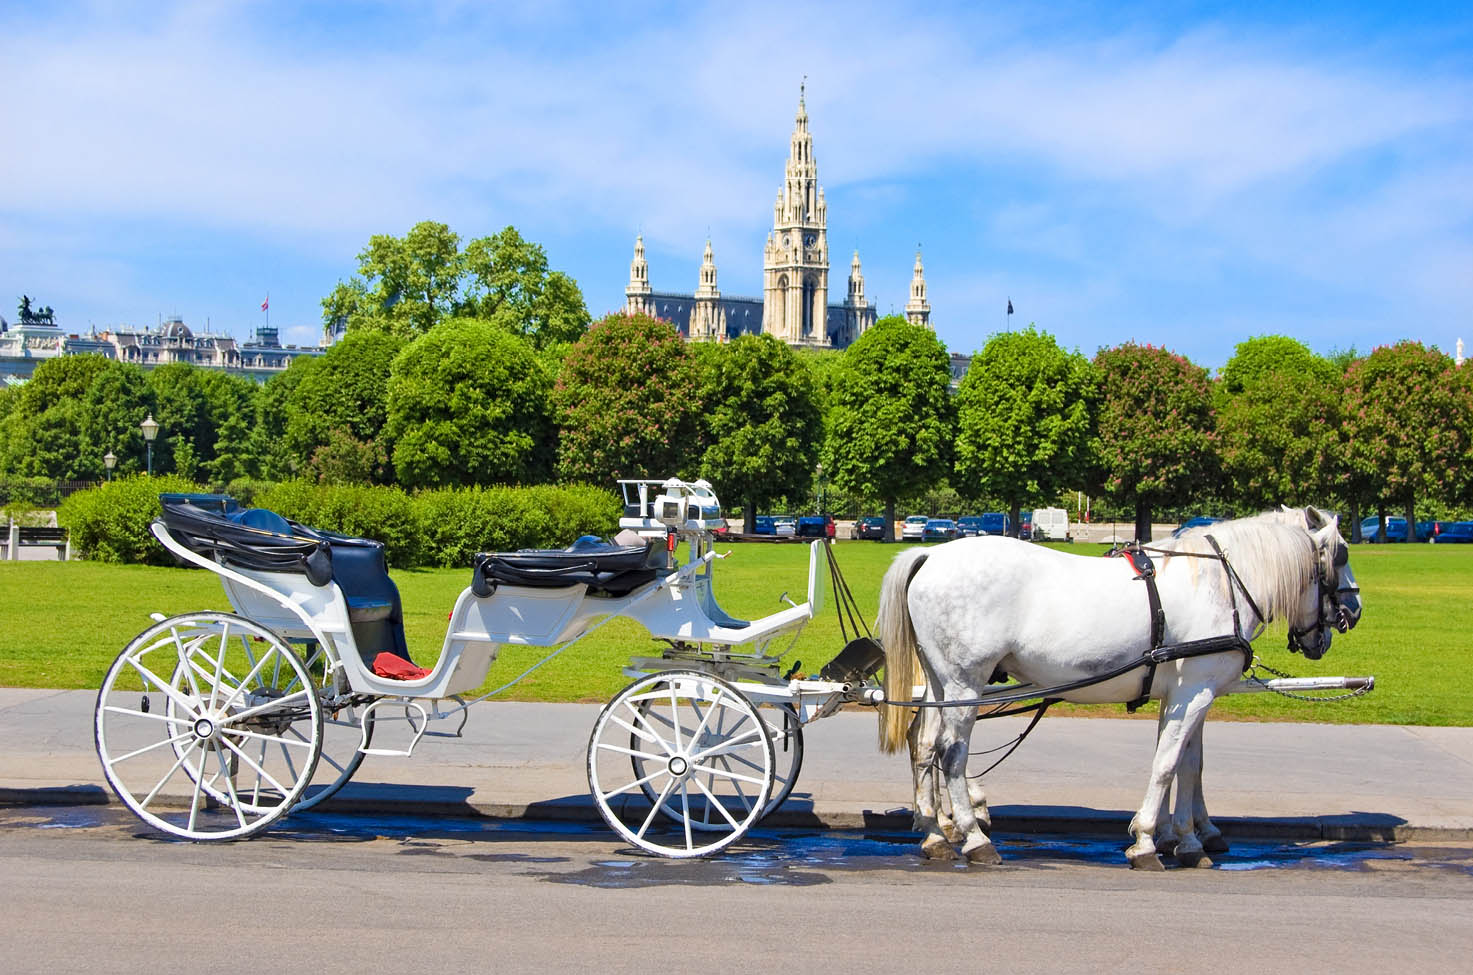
(637, 300)
(918, 309)
(859, 314)
(795, 272)
(707, 317)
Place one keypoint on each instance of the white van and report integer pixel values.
(1051, 525)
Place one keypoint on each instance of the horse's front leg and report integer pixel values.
(1211, 837)
(1189, 848)
(1181, 720)
(1166, 836)
(924, 772)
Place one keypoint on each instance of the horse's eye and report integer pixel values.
(1342, 556)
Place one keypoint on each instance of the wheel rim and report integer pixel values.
(208, 726)
(699, 745)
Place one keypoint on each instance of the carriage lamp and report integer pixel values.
(109, 460)
(150, 428)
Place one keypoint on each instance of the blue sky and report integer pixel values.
(1188, 175)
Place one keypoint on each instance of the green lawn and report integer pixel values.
(61, 624)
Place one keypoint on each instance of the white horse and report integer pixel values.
(971, 607)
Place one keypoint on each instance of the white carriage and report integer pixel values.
(213, 725)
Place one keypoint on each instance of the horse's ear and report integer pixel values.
(1315, 518)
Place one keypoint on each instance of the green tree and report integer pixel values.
(1155, 441)
(1025, 419)
(115, 404)
(468, 404)
(510, 284)
(405, 286)
(183, 415)
(1408, 417)
(46, 432)
(891, 417)
(763, 424)
(273, 413)
(627, 403)
(1278, 421)
(345, 393)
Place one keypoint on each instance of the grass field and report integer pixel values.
(61, 624)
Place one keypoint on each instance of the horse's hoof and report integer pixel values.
(985, 854)
(1149, 862)
(1193, 858)
(1166, 847)
(1215, 843)
(953, 835)
(936, 848)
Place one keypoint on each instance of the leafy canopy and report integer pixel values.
(468, 405)
(1025, 417)
(891, 417)
(763, 421)
(628, 403)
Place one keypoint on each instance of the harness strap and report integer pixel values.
(1145, 570)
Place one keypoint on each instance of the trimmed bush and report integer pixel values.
(459, 523)
(110, 523)
(385, 514)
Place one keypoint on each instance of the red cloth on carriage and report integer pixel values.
(396, 667)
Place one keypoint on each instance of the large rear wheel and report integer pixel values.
(208, 726)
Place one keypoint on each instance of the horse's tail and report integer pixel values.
(898, 637)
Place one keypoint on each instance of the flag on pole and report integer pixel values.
(1010, 306)
(267, 303)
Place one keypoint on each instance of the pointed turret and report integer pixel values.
(707, 287)
(918, 309)
(707, 317)
(637, 294)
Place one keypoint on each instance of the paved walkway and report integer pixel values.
(1294, 781)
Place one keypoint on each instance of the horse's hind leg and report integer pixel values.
(923, 766)
(1166, 837)
(955, 744)
(1211, 837)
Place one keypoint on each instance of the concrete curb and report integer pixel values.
(1027, 820)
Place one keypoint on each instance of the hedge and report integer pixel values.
(431, 528)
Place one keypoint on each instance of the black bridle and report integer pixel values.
(1333, 613)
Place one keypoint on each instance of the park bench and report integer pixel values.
(26, 536)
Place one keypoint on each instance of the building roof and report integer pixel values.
(743, 314)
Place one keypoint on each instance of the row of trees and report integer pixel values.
(476, 365)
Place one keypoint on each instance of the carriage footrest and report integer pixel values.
(414, 713)
(860, 660)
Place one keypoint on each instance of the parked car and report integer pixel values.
(1428, 530)
(996, 523)
(968, 525)
(785, 526)
(1201, 521)
(914, 528)
(1396, 530)
(939, 530)
(764, 525)
(1025, 525)
(816, 526)
(871, 527)
(1454, 532)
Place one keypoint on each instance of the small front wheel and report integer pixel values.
(208, 726)
(698, 747)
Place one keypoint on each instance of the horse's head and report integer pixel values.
(1332, 601)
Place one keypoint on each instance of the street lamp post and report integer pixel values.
(150, 428)
(109, 460)
(821, 508)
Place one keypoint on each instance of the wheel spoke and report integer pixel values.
(146, 715)
(658, 740)
(728, 774)
(747, 739)
(685, 817)
(234, 799)
(711, 800)
(621, 750)
(260, 772)
(184, 736)
(230, 720)
(644, 827)
(634, 785)
(167, 776)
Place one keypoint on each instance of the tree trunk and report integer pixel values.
(749, 516)
(1411, 518)
(1355, 536)
(889, 519)
(1013, 515)
(1381, 522)
(1142, 522)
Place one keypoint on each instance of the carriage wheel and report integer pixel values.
(702, 748)
(343, 730)
(786, 733)
(208, 726)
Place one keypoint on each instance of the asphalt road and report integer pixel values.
(91, 889)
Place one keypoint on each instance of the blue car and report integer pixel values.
(1201, 521)
(1396, 530)
(765, 525)
(1454, 533)
(939, 530)
(995, 523)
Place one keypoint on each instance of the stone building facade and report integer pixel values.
(795, 305)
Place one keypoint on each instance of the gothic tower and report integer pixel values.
(707, 319)
(795, 262)
(859, 314)
(637, 300)
(918, 309)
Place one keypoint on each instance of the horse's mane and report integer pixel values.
(1273, 552)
